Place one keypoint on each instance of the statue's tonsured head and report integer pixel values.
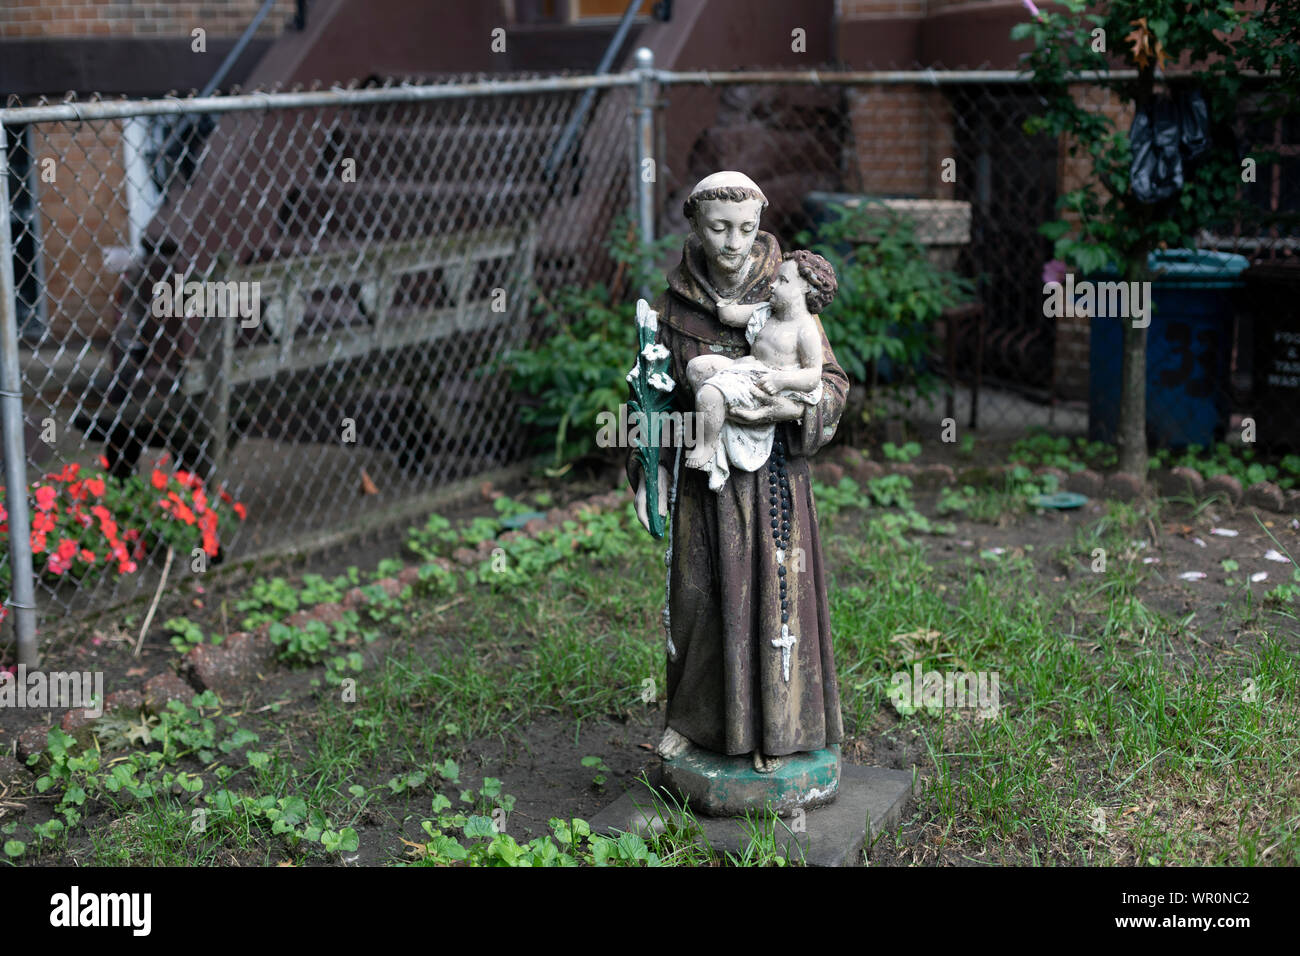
(723, 210)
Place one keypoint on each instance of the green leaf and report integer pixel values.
(479, 826)
(447, 848)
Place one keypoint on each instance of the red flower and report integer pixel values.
(43, 522)
(208, 524)
(225, 495)
(67, 549)
(182, 509)
(241, 511)
(58, 565)
(200, 500)
(106, 522)
(127, 567)
(103, 461)
(38, 542)
(95, 486)
(159, 479)
(45, 496)
(88, 556)
(189, 480)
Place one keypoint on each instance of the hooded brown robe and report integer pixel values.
(726, 688)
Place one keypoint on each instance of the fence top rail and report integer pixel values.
(891, 77)
(121, 109)
(406, 93)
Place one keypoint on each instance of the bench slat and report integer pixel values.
(265, 361)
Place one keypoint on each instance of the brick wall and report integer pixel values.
(82, 212)
(106, 18)
(852, 9)
(901, 134)
(849, 9)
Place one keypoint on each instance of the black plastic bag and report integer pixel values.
(1164, 135)
(1157, 169)
(1194, 125)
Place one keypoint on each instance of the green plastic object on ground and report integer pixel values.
(1061, 501)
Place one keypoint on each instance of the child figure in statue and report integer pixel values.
(784, 368)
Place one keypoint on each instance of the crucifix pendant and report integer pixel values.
(785, 642)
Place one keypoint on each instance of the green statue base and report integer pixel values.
(722, 786)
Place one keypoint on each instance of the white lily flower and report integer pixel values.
(662, 382)
(646, 317)
(655, 352)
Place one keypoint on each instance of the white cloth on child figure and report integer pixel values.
(745, 447)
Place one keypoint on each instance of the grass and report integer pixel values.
(1121, 739)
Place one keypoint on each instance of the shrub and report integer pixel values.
(588, 340)
(889, 297)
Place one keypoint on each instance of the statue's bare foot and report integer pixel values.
(700, 457)
(765, 764)
(672, 744)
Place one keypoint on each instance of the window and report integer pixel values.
(24, 226)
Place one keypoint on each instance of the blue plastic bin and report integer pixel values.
(1189, 343)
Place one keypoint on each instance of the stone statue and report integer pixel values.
(753, 700)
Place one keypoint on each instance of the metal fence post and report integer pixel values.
(644, 164)
(22, 592)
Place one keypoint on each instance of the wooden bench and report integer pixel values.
(361, 315)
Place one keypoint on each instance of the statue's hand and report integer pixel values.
(771, 382)
(664, 480)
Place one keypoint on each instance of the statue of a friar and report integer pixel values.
(750, 666)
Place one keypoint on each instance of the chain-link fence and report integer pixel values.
(295, 301)
(296, 297)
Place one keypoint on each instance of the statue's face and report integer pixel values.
(788, 287)
(727, 231)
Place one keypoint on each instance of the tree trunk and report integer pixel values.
(1133, 402)
(1133, 374)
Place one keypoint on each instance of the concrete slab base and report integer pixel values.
(870, 801)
